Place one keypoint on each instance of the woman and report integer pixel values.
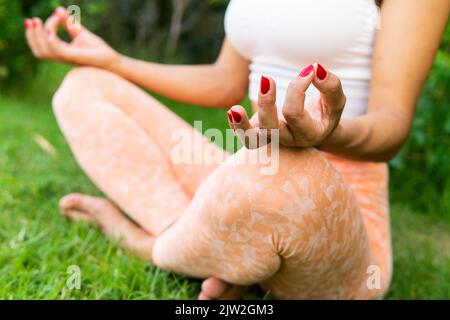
(319, 227)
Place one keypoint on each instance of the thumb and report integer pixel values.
(243, 128)
(61, 48)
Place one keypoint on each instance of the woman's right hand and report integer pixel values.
(85, 48)
(298, 125)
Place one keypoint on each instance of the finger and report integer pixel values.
(330, 88)
(29, 36)
(40, 37)
(294, 106)
(267, 111)
(238, 118)
(59, 48)
(34, 37)
(242, 127)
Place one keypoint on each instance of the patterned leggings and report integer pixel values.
(318, 229)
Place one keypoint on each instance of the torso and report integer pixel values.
(281, 37)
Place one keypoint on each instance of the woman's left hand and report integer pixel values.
(299, 125)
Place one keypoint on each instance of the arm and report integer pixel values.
(221, 84)
(404, 51)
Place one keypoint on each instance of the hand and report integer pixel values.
(299, 125)
(85, 49)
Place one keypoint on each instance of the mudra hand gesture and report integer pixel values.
(85, 48)
(299, 125)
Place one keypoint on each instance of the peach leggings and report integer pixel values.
(319, 228)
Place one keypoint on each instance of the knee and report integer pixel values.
(79, 83)
(244, 194)
(292, 208)
(68, 89)
(86, 75)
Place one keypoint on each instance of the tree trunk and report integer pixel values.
(179, 6)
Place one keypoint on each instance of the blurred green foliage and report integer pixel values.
(420, 175)
(15, 59)
(138, 27)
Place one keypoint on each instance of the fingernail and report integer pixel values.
(33, 23)
(230, 117)
(27, 23)
(321, 72)
(265, 85)
(236, 116)
(306, 72)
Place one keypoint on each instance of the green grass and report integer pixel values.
(37, 245)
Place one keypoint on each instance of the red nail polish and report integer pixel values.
(236, 116)
(265, 85)
(230, 117)
(307, 71)
(27, 23)
(321, 72)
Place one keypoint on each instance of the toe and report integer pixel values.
(76, 215)
(71, 208)
(71, 201)
(203, 296)
(84, 203)
(234, 293)
(215, 288)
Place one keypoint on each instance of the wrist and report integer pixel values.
(117, 64)
(332, 140)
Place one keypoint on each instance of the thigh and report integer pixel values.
(122, 161)
(298, 232)
(369, 183)
(164, 127)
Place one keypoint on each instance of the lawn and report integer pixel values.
(37, 245)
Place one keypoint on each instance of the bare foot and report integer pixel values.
(110, 219)
(80, 207)
(216, 289)
(102, 212)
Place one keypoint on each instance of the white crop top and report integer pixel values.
(280, 37)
